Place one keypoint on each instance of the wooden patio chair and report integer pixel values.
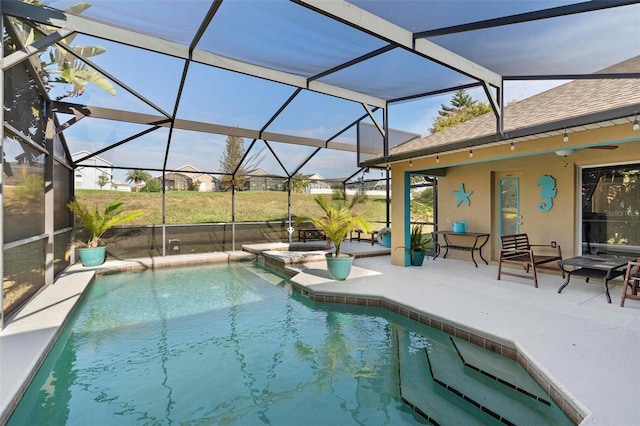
(517, 250)
(632, 281)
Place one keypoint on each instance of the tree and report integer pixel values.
(137, 176)
(462, 108)
(58, 65)
(103, 180)
(153, 185)
(422, 205)
(298, 183)
(460, 101)
(231, 157)
(23, 108)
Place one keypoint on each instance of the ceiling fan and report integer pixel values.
(603, 147)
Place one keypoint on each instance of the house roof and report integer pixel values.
(258, 172)
(80, 155)
(187, 168)
(189, 171)
(531, 117)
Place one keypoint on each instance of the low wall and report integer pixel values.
(137, 241)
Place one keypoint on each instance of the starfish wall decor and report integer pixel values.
(462, 196)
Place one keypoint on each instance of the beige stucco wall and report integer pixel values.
(530, 160)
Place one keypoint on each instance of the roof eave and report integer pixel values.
(558, 126)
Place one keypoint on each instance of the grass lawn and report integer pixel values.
(206, 207)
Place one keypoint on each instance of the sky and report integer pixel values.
(223, 97)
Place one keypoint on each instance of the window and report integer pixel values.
(610, 210)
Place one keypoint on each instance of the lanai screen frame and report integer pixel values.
(354, 15)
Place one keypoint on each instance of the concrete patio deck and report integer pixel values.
(585, 346)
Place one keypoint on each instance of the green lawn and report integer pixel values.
(206, 207)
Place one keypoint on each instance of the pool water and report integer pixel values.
(223, 345)
(213, 345)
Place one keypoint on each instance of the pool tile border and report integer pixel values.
(575, 414)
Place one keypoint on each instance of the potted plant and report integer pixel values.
(384, 236)
(96, 224)
(338, 220)
(419, 245)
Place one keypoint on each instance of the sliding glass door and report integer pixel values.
(610, 210)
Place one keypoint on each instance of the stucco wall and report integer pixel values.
(482, 213)
(530, 160)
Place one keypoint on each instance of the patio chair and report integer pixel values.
(631, 280)
(517, 250)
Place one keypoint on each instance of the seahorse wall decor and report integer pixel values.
(547, 192)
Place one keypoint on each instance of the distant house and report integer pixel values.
(184, 178)
(318, 185)
(90, 177)
(376, 187)
(261, 180)
(120, 186)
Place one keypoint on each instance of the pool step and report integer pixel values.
(499, 368)
(424, 395)
(450, 382)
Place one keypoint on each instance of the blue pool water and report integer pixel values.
(223, 345)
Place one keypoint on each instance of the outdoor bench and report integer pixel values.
(311, 234)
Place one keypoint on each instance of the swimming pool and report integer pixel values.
(229, 344)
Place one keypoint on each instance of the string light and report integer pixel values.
(513, 147)
(470, 152)
(565, 136)
(636, 125)
(437, 157)
(410, 163)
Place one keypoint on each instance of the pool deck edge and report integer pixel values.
(34, 330)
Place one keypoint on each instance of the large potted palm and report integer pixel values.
(96, 224)
(338, 220)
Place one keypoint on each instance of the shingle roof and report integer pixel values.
(568, 101)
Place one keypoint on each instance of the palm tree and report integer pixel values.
(97, 223)
(23, 102)
(298, 183)
(340, 217)
(103, 180)
(137, 176)
(60, 66)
